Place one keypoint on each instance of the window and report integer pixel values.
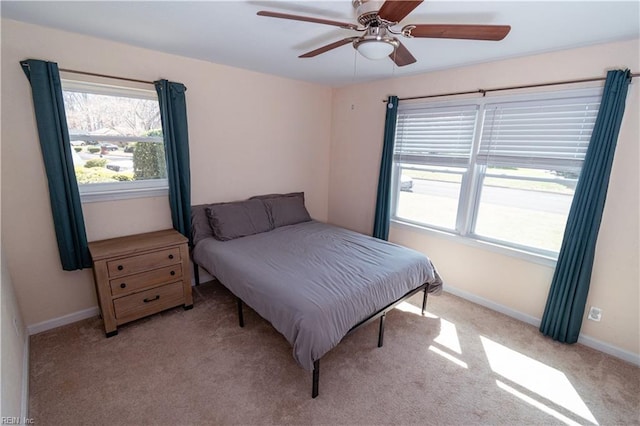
(116, 141)
(501, 170)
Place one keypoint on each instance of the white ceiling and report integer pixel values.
(230, 32)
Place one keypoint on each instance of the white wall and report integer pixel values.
(14, 352)
(249, 133)
(513, 283)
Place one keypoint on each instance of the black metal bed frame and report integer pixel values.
(380, 314)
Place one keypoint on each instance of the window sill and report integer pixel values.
(114, 195)
(496, 248)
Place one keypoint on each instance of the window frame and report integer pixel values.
(472, 180)
(112, 191)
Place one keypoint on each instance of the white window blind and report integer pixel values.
(439, 136)
(538, 133)
(497, 169)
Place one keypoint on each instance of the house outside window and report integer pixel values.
(116, 141)
(499, 170)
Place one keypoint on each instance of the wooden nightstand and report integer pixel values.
(140, 275)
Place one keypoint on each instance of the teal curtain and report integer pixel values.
(383, 202)
(51, 121)
(173, 112)
(565, 306)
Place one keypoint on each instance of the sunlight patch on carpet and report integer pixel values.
(540, 406)
(448, 336)
(536, 377)
(413, 309)
(448, 356)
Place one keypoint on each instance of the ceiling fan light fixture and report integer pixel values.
(375, 49)
(376, 44)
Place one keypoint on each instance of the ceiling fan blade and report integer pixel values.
(469, 32)
(396, 10)
(401, 56)
(328, 47)
(344, 25)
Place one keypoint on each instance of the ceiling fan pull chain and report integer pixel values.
(393, 64)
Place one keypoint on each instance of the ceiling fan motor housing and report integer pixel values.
(367, 10)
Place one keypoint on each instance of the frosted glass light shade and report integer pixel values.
(375, 49)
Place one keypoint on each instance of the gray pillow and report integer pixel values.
(267, 196)
(238, 219)
(200, 228)
(287, 210)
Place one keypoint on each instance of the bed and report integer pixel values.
(314, 282)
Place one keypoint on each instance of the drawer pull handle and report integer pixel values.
(173, 272)
(120, 267)
(170, 256)
(123, 285)
(151, 300)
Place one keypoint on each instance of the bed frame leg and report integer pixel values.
(240, 315)
(381, 331)
(196, 273)
(424, 301)
(316, 378)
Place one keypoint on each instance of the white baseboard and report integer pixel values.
(24, 406)
(63, 320)
(492, 305)
(582, 339)
(609, 349)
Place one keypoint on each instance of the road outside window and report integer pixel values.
(433, 198)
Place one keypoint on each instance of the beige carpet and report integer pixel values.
(461, 364)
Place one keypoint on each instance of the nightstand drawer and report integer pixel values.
(143, 262)
(147, 302)
(131, 283)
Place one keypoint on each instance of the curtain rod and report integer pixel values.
(106, 76)
(498, 89)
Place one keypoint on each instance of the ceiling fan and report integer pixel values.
(377, 19)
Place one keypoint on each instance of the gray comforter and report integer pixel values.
(315, 281)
